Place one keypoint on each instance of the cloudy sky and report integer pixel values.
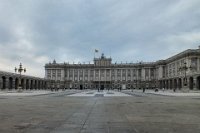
(35, 32)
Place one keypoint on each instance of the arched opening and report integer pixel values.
(39, 84)
(175, 84)
(167, 84)
(81, 86)
(10, 83)
(4, 82)
(16, 83)
(160, 84)
(198, 83)
(35, 85)
(45, 85)
(27, 84)
(191, 82)
(42, 85)
(38, 87)
(170, 83)
(22, 84)
(31, 87)
(179, 83)
(164, 84)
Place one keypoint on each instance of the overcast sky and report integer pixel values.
(35, 32)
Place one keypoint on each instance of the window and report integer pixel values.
(58, 73)
(48, 73)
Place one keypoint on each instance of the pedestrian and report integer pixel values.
(163, 89)
(143, 90)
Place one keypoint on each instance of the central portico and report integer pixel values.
(101, 74)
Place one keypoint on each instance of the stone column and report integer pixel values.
(195, 83)
(73, 74)
(198, 64)
(29, 84)
(83, 77)
(126, 77)
(13, 84)
(24, 84)
(7, 83)
(67, 76)
(89, 76)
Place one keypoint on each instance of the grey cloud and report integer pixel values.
(69, 30)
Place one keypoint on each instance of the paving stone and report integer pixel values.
(60, 113)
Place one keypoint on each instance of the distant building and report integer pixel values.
(177, 72)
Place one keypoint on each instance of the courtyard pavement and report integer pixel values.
(167, 92)
(133, 112)
(33, 92)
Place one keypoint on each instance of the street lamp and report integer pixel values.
(140, 74)
(20, 70)
(185, 68)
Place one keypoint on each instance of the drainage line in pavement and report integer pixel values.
(88, 115)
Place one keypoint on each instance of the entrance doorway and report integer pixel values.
(191, 83)
(102, 87)
(81, 87)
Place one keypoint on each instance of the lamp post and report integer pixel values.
(20, 70)
(184, 68)
(140, 74)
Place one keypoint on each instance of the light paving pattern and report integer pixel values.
(105, 93)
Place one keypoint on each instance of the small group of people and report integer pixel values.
(100, 89)
(119, 89)
(57, 89)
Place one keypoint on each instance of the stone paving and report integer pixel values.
(104, 93)
(62, 113)
(32, 92)
(24, 93)
(167, 93)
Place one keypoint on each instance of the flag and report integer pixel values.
(96, 51)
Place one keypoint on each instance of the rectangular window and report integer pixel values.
(58, 73)
(193, 64)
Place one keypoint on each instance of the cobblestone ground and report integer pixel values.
(126, 113)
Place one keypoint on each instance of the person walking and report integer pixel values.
(143, 90)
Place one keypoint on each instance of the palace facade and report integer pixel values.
(177, 72)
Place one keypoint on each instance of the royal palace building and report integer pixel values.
(181, 71)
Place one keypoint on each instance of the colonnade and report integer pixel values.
(193, 83)
(12, 81)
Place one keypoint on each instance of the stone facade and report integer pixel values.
(176, 72)
(9, 81)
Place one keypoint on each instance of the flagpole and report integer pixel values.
(94, 53)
